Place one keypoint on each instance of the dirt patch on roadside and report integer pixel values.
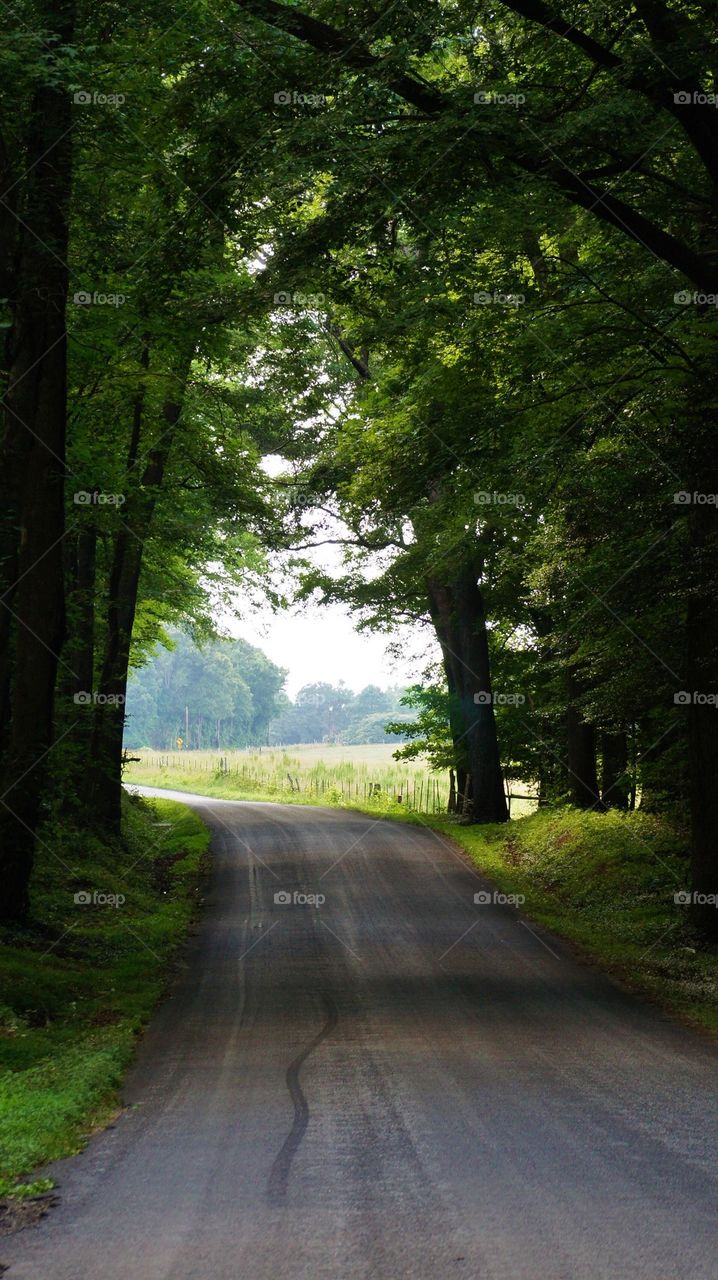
(162, 871)
(17, 1213)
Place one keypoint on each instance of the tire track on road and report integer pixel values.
(281, 1169)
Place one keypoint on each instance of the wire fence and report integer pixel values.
(421, 792)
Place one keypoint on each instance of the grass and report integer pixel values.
(305, 774)
(316, 773)
(80, 980)
(606, 882)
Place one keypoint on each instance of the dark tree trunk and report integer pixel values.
(458, 614)
(702, 646)
(458, 790)
(581, 752)
(104, 785)
(466, 806)
(456, 726)
(462, 789)
(488, 796)
(11, 168)
(615, 780)
(33, 467)
(77, 675)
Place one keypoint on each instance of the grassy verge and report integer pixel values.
(81, 979)
(606, 882)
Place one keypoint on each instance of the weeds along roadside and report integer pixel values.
(81, 979)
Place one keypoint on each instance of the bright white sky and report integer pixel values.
(321, 644)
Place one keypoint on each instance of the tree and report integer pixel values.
(226, 692)
(33, 456)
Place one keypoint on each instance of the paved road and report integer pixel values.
(396, 1083)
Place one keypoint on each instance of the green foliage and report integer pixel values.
(80, 980)
(442, 314)
(607, 883)
(225, 692)
(536, 393)
(429, 735)
(325, 713)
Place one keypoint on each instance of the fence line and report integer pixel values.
(421, 793)
(428, 795)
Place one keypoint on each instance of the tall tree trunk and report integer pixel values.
(615, 781)
(78, 675)
(104, 788)
(457, 611)
(702, 669)
(33, 465)
(10, 227)
(581, 751)
(487, 785)
(456, 726)
(462, 789)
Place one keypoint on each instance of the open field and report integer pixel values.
(325, 773)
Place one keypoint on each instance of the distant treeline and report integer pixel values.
(229, 694)
(333, 713)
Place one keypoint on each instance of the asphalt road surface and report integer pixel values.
(395, 1082)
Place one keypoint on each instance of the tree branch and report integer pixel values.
(604, 206)
(343, 48)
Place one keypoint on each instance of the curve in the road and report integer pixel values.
(475, 1105)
